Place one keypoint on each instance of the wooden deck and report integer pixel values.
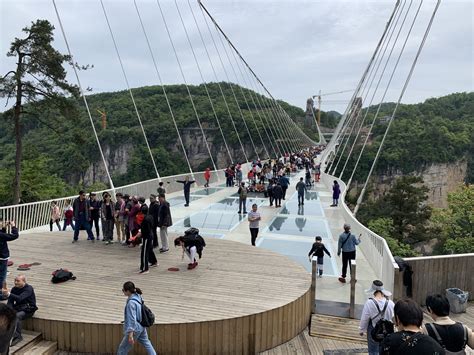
(240, 299)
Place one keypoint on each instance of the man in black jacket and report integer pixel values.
(4, 251)
(153, 211)
(147, 256)
(23, 300)
(82, 216)
(164, 221)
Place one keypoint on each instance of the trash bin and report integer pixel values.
(457, 300)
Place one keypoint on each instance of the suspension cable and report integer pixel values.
(220, 87)
(425, 36)
(84, 97)
(377, 86)
(186, 84)
(128, 87)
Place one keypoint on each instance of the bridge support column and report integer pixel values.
(313, 285)
(353, 284)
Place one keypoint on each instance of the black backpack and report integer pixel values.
(383, 327)
(62, 275)
(148, 318)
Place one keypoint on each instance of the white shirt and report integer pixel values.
(253, 223)
(370, 312)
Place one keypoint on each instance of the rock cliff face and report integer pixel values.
(439, 178)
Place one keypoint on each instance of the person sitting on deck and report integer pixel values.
(22, 299)
(452, 336)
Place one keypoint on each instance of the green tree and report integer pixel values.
(39, 74)
(408, 209)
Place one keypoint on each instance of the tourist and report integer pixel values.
(164, 221)
(81, 207)
(147, 256)
(242, 198)
(347, 244)
(132, 214)
(270, 191)
(6, 237)
(308, 178)
(154, 211)
(23, 300)
(132, 329)
(301, 188)
(277, 194)
(318, 249)
(238, 175)
(68, 215)
(254, 220)
(186, 188)
(207, 177)
(119, 216)
(317, 172)
(409, 340)
(128, 208)
(336, 192)
(7, 327)
(95, 213)
(107, 218)
(55, 216)
(377, 307)
(192, 245)
(161, 190)
(284, 182)
(452, 336)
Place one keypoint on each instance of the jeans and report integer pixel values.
(347, 256)
(68, 222)
(81, 222)
(243, 202)
(20, 316)
(253, 234)
(300, 198)
(284, 188)
(374, 347)
(142, 338)
(3, 271)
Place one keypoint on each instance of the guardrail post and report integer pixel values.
(313, 285)
(353, 284)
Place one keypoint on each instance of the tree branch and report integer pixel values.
(10, 72)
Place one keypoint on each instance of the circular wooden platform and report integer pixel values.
(240, 299)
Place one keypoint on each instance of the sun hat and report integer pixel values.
(377, 285)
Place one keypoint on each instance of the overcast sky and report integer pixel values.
(296, 47)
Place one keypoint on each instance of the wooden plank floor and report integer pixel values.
(232, 280)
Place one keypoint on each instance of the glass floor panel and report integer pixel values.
(299, 226)
(232, 204)
(298, 251)
(178, 200)
(310, 208)
(206, 192)
(308, 196)
(211, 220)
(251, 194)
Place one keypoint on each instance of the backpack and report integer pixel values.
(62, 275)
(440, 341)
(148, 318)
(383, 327)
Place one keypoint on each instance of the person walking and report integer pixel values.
(81, 207)
(207, 177)
(164, 221)
(301, 188)
(336, 192)
(270, 191)
(119, 216)
(107, 218)
(132, 329)
(347, 244)
(242, 198)
(6, 237)
(277, 194)
(254, 221)
(147, 255)
(377, 307)
(55, 216)
(186, 188)
(154, 210)
(318, 249)
(284, 182)
(452, 336)
(68, 215)
(95, 213)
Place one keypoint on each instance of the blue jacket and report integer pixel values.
(348, 246)
(133, 315)
(284, 182)
(4, 238)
